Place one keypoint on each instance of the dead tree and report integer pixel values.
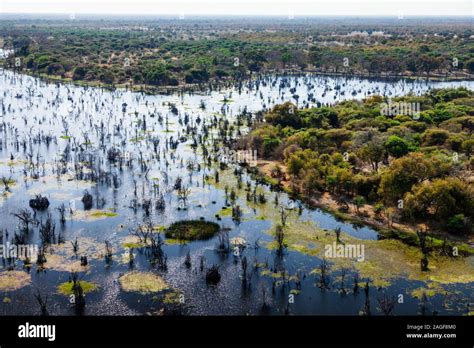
(366, 310)
(223, 243)
(343, 276)
(75, 246)
(158, 256)
(213, 276)
(87, 200)
(244, 265)
(280, 239)
(146, 205)
(62, 213)
(187, 260)
(47, 230)
(160, 204)
(183, 194)
(338, 234)
(26, 218)
(323, 281)
(143, 232)
(236, 214)
(6, 183)
(41, 256)
(386, 304)
(78, 293)
(284, 212)
(42, 301)
(425, 249)
(108, 252)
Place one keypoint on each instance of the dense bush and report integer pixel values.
(419, 163)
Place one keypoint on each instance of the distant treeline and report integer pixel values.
(196, 52)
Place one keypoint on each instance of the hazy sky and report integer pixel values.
(245, 7)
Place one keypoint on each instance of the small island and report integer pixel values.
(192, 230)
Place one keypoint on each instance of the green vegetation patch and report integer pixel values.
(192, 230)
(431, 289)
(66, 288)
(158, 228)
(226, 211)
(133, 245)
(142, 282)
(101, 213)
(173, 297)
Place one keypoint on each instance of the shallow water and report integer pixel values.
(88, 121)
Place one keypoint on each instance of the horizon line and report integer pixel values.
(230, 15)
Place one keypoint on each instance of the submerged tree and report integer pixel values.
(323, 277)
(47, 230)
(183, 195)
(213, 275)
(425, 249)
(187, 260)
(223, 243)
(337, 230)
(108, 252)
(280, 239)
(386, 304)
(26, 218)
(78, 293)
(144, 232)
(87, 200)
(158, 257)
(62, 213)
(366, 310)
(42, 301)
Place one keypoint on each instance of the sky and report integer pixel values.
(288, 8)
